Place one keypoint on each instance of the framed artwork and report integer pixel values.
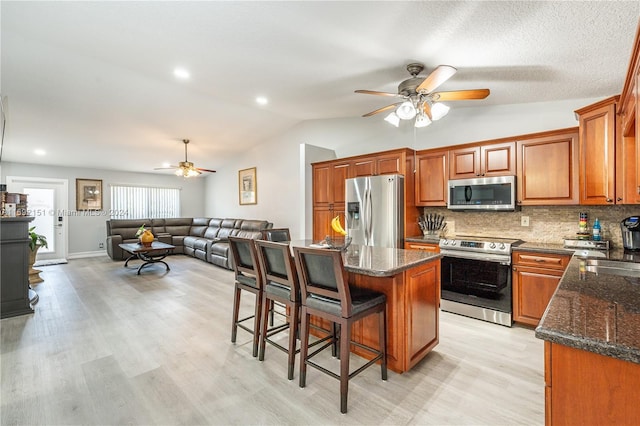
(88, 194)
(247, 186)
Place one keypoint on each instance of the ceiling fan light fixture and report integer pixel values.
(422, 120)
(439, 110)
(393, 119)
(406, 111)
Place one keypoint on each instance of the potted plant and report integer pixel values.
(35, 242)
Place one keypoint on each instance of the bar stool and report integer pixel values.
(276, 234)
(248, 278)
(326, 294)
(280, 285)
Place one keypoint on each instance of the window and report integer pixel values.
(141, 202)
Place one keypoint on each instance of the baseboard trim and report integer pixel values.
(83, 254)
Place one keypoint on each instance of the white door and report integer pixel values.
(47, 203)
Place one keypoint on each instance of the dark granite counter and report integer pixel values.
(542, 248)
(595, 312)
(379, 261)
(427, 239)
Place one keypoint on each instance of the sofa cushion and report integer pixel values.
(190, 241)
(248, 234)
(201, 244)
(224, 233)
(211, 232)
(215, 222)
(254, 225)
(200, 221)
(228, 223)
(220, 249)
(157, 226)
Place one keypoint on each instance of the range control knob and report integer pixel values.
(453, 243)
(445, 242)
(492, 245)
(502, 246)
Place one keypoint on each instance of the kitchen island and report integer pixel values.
(410, 279)
(591, 329)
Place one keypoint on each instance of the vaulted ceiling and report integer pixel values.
(92, 84)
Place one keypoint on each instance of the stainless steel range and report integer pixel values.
(476, 277)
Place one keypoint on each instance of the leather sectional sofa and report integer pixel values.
(200, 237)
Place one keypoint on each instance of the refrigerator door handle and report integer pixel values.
(368, 212)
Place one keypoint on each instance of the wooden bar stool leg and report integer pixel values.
(345, 342)
(382, 324)
(256, 325)
(236, 311)
(263, 327)
(294, 318)
(304, 346)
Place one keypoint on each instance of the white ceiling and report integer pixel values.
(91, 82)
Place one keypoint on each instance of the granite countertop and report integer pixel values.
(595, 312)
(427, 239)
(379, 261)
(542, 248)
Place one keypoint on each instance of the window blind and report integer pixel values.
(141, 202)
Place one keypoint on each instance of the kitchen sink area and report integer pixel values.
(612, 267)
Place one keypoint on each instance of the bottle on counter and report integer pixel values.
(597, 235)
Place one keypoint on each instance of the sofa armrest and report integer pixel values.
(113, 249)
(164, 237)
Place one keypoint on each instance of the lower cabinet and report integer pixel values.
(535, 278)
(586, 388)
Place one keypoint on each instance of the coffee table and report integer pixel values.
(149, 255)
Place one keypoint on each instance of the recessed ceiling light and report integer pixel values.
(261, 100)
(40, 152)
(181, 73)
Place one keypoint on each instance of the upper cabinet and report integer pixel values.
(628, 142)
(387, 163)
(483, 161)
(548, 168)
(597, 152)
(432, 173)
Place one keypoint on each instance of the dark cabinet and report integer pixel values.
(14, 259)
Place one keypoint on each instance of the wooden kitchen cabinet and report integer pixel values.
(432, 174)
(547, 169)
(535, 278)
(433, 248)
(496, 159)
(597, 152)
(381, 164)
(628, 144)
(328, 196)
(586, 388)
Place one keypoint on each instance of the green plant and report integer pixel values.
(36, 239)
(141, 230)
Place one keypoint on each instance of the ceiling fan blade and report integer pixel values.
(427, 110)
(373, 92)
(205, 170)
(436, 78)
(460, 95)
(383, 109)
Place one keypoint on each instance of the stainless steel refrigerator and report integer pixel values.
(375, 210)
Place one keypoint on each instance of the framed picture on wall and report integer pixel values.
(247, 186)
(88, 194)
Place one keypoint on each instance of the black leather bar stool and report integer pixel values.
(280, 280)
(248, 278)
(327, 294)
(276, 234)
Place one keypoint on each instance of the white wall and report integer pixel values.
(86, 232)
(281, 164)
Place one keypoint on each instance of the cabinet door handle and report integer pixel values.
(619, 199)
(515, 269)
(609, 200)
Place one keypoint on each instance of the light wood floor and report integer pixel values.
(106, 346)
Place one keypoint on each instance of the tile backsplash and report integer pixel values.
(547, 224)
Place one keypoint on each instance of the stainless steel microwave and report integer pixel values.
(488, 193)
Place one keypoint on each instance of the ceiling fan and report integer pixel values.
(186, 168)
(420, 99)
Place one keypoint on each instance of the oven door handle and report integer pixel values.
(487, 257)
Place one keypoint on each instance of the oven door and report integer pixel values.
(478, 280)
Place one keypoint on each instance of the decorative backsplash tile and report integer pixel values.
(547, 224)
